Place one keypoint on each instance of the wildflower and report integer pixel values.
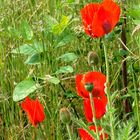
(34, 110)
(86, 136)
(100, 18)
(99, 106)
(96, 78)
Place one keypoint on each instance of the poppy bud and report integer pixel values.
(65, 116)
(93, 58)
(89, 87)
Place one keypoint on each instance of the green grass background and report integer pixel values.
(13, 13)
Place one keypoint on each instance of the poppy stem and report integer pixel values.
(108, 93)
(101, 54)
(68, 129)
(94, 116)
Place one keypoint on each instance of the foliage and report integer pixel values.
(42, 48)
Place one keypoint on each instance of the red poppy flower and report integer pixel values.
(99, 106)
(100, 18)
(86, 136)
(96, 78)
(34, 110)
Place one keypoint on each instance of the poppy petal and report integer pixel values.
(80, 87)
(88, 13)
(99, 106)
(96, 78)
(34, 110)
(102, 23)
(85, 135)
(40, 111)
(100, 18)
(113, 9)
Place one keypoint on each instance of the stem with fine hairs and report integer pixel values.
(94, 116)
(108, 94)
(68, 129)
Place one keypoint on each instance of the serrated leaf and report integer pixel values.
(68, 57)
(23, 89)
(82, 125)
(36, 58)
(65, 69)
(53, 80)
(24, 49)
(26, 31)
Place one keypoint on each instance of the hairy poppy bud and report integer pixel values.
(89, 87)
(93, 58)
(65, 115)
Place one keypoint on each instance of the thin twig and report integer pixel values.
(124, 63)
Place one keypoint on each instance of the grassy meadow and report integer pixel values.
(43, 47)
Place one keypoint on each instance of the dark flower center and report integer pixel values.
(106, 26)
(95, 93)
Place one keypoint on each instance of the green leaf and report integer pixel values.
(65, 39)
(24, 49)
(68, 57)
(26, 31)
(36, 58)
(23, 89)
(70, 94)
(53, 80)
(51, 22)
(137, 22)
(123, 52)
(70, 1)
(126, 130)
(38, 46)
(59, 28)
(65, 69)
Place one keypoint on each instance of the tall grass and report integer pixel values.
(39, 16)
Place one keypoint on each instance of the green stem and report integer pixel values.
(136, 103)
(108, 94)
(68, 129)
(94, 116)
(69, 100)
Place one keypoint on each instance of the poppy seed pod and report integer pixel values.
(65, 116)
(97, 79)
(93, 58)
(89, 87)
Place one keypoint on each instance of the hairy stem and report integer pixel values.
(68, 129)
(94, 116)
(108, 94)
